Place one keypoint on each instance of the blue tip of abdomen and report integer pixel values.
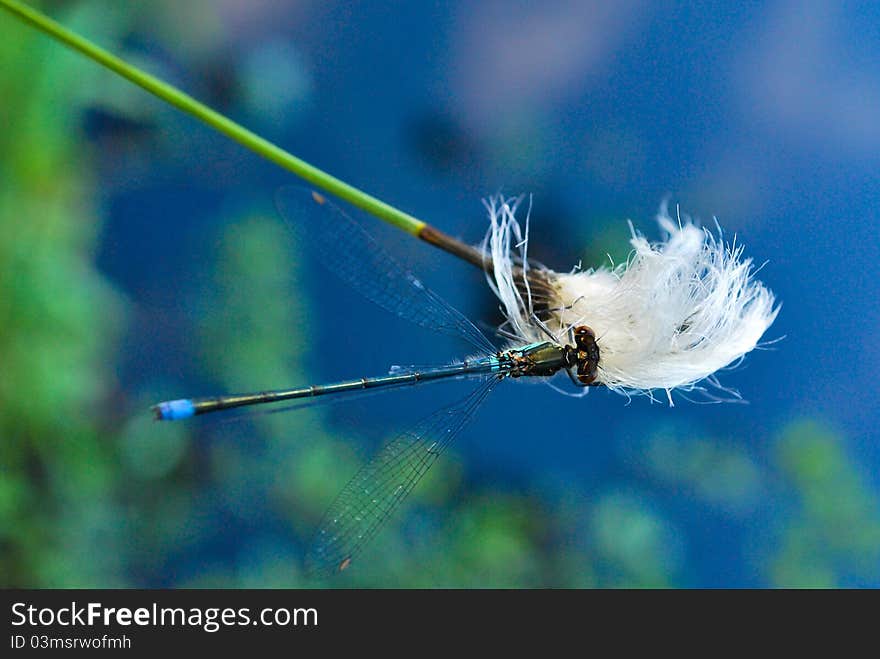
(172, 410)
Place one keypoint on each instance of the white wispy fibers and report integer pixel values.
(675, 313)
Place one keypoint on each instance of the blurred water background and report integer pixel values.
(141, 260)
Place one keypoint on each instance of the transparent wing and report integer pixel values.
(379, 487)
(355, 256)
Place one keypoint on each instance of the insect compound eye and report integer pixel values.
(587, 371)
(585, 332)
(585, 339)
(587, 354)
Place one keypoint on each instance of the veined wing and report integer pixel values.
(380, 486)
(355, 256)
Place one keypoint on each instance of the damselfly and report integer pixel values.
(378, 488)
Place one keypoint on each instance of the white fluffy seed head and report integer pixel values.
(670, 317)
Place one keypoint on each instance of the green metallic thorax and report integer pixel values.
(536, 359)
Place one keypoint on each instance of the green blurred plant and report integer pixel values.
(833, 539)
(60, 321)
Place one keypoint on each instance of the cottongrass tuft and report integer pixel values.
(668, 319)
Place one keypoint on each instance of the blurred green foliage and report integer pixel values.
(59, 518)
(833, 539)
(92, 497)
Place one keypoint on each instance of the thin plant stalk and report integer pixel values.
(247, 138)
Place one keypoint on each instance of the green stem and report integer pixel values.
(216, 120)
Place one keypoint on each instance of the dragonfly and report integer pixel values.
(379, 487)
